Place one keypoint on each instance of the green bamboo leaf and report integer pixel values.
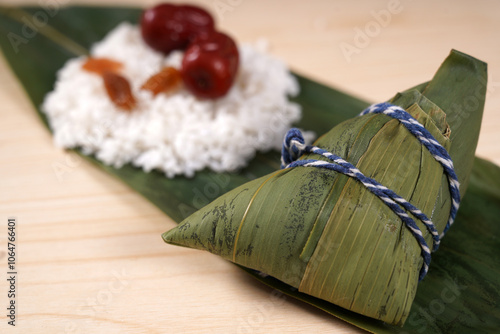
(464, 277)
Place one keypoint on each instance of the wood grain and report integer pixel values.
(90, 254)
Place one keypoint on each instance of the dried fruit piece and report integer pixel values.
(166, 81)
(102, 65)
(168, 27)
(119, 91)
(210, 65)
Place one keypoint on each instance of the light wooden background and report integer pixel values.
(90, 254)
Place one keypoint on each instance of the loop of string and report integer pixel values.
(294, 147)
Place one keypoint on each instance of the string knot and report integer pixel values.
(294, 147)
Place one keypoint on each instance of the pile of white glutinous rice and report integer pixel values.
(176, 133)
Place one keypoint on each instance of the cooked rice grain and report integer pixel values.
(176, 133)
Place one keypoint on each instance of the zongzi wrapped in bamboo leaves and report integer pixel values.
(327, 235)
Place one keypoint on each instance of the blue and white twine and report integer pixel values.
(294, 147)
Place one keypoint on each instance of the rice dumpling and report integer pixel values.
(324, 232)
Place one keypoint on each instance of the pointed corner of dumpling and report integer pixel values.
(214, 228)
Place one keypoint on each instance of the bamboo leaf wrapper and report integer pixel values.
(323, 232)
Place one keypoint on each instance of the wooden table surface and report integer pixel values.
(90, 256)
